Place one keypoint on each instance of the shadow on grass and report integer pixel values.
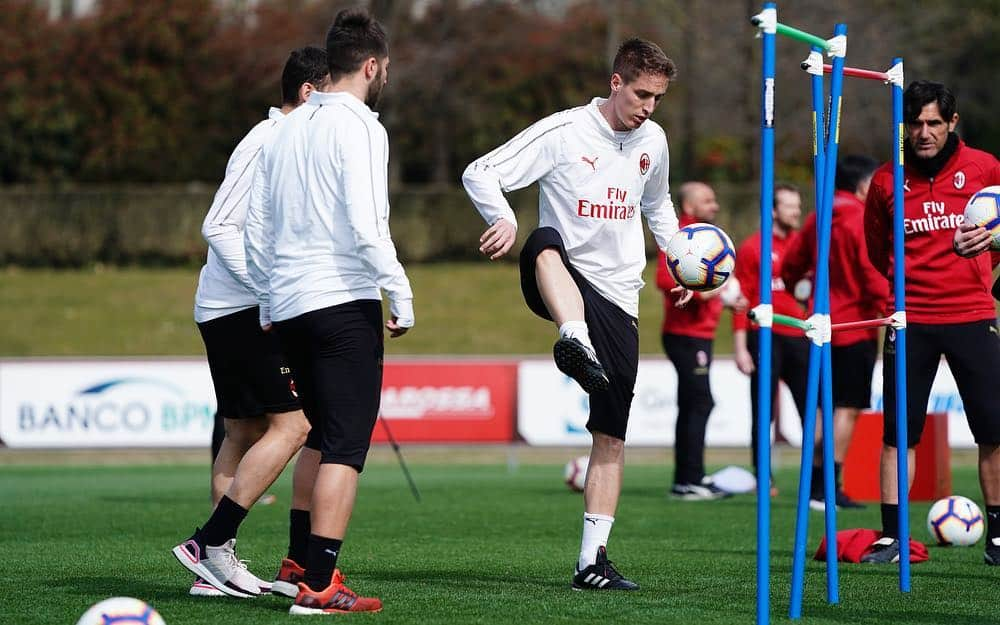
(463, 579)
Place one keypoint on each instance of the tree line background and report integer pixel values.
(102, 111)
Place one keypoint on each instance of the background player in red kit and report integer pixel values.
(687, 340)
(948, 305)
(790, 349)
(857, 292)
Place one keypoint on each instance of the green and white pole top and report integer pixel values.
(767, 21)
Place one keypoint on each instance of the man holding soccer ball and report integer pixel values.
(948, 305)
(598, 166)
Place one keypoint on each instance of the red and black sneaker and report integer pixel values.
(335, 599)
(286, 582)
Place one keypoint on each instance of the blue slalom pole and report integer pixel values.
(839, 52)
(770, 15)
(812, 386)
(899, 291)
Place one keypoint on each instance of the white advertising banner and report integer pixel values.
(106, 403)
(552, 409)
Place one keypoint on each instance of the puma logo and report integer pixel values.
(591, 162)
(590, 520)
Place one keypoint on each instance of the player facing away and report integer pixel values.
(264, 423)
(599, 166)
(949, 310)
(687, 335)
(320, 252)
(857, 292)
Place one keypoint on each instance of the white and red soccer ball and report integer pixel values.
(575, 473)
(955, 520)
(121, 611)
(983, 209)
(700, 257)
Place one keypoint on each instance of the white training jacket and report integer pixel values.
(591, 180)
(317, 231)
(223, 285)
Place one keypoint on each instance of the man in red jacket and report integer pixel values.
(948, 305)
(789, 348)
(857, 292)
(687, 340)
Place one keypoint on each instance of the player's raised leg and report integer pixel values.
(553, 293)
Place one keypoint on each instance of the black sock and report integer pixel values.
(299, 528)
(816, 488)
(890, 520)
(992, 523)
(836, 474)
(224, 522)
(321, 561)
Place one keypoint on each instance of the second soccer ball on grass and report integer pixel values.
(955, 520)
(575, 474)
(701, 257)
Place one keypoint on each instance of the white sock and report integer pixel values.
(596, 529)
(576, 330)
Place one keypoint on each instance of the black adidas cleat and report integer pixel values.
(580, 363)
(885, 550)
(602, 576)
(992, 554)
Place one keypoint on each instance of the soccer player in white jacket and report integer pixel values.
(599, 167)
(319, 253)
(264, 421)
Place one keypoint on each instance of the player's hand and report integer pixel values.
(685, 297)
(266, 328)
(498, 239)
(395, 330)
(741, 304)
(744, 361)
(970, 240)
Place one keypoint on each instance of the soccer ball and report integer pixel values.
(983, 209)
(575, 473)
(700, 257)
(955, 520)
(121, 610)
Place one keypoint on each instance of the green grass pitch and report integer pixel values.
(488, 544)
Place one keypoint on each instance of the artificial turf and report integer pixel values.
(487, 544)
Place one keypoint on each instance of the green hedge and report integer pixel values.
(161, 225)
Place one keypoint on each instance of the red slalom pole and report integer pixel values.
(850, 326)
(859, 73)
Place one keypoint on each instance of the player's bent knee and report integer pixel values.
(291, 426)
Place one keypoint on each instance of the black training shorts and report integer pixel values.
(336, 353)
(614, 333)
(249, 372)
(973, 354)
(852, 373)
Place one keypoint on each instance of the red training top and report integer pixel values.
(748, 273)
(857, 291)
(699, 317)
(941, 286)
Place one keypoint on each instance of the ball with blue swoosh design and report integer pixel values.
(701, 257)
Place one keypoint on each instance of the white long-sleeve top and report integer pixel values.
(223, 285)
(317, 231)
(591, 181)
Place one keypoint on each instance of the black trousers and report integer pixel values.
(789, 363)
(692, 358)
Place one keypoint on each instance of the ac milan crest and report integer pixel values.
(644, 163)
